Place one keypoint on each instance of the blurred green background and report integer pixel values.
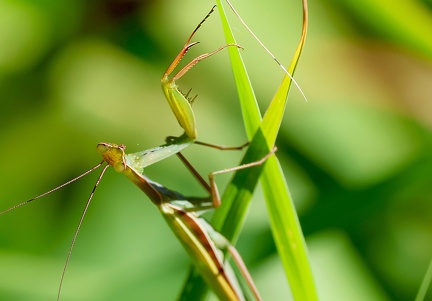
(357, 155)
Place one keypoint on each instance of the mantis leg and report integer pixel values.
(223, 244)
(211, 187)
(222, 147)
(173, 140)
(187, 46)
(195, 60)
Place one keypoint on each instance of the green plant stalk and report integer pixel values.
(230, 217)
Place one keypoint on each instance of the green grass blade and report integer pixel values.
(283, 217)
(235, 202)
(248, 102)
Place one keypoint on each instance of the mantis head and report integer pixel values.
(113, 154)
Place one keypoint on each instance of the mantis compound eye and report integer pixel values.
(102, 148)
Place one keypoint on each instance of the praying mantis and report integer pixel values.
(204, 245)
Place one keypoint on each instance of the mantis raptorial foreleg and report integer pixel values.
(181, 103)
